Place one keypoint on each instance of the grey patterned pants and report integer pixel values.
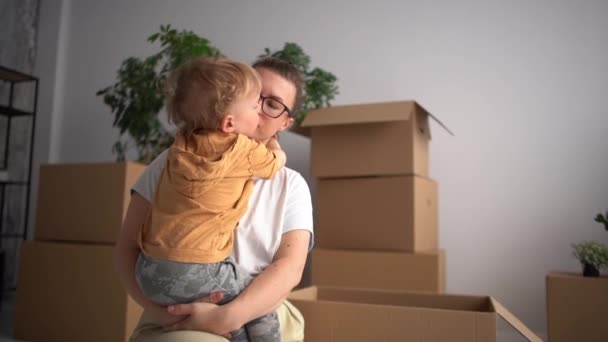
(167, 282)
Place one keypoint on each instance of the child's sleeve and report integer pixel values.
(263, 162)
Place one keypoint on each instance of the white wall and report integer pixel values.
(50, 68)
(522, 84)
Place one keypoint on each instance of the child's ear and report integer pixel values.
(227, 125)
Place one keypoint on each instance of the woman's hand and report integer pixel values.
(204, 315)
(164, 318)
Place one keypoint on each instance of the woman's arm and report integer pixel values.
(271, 287)
(126, 252)
(262, 296)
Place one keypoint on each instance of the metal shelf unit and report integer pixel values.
(12, 236)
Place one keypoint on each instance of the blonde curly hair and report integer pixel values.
(198, 93)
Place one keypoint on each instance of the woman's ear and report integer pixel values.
(227, 125)
(287, 123)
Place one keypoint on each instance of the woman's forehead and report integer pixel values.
(277, 86)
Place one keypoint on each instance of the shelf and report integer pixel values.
(11, 75)
(14, 80)
(9, 111)
(14, 182)
(12, 236)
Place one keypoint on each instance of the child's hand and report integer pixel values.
(273, 143)
(275, 147)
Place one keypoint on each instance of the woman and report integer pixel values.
(272, 239)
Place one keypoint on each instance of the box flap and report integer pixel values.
(514, 321)
(440, 123)
(361, 113)
(306, 293)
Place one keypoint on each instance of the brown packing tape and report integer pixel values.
(514, 321)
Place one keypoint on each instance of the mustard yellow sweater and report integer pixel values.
(202, 194)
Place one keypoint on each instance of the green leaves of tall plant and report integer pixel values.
(320, 85)
(136, 98)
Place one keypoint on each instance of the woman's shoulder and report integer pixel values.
(147, 182)
(293, 175)
(293, 180)
(160, 160)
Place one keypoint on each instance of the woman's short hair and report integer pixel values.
(288, 71)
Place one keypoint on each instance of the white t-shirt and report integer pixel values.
(277, 205)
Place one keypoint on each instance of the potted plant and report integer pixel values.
(136, 98)
(593, 256)
(571, 298)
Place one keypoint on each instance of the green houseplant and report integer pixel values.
(136, 99)
(593, 255)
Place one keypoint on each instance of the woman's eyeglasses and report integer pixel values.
(273, 107)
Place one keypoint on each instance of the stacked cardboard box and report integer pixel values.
(377, 271)
(376, 207)
(67, 288)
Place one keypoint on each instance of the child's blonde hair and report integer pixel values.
(199, 92)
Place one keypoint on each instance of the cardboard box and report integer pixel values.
(70, 292)
(340, 315)
(377, 213)
(424, 271)
(84, 202)
(577, 307)
(388, 138)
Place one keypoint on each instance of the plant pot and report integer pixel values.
(590, 271)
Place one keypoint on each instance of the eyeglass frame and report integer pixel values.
(285, 108)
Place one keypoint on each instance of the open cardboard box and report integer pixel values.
(376, 139)
(347, 314)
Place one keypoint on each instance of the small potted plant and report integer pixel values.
(593, 256)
